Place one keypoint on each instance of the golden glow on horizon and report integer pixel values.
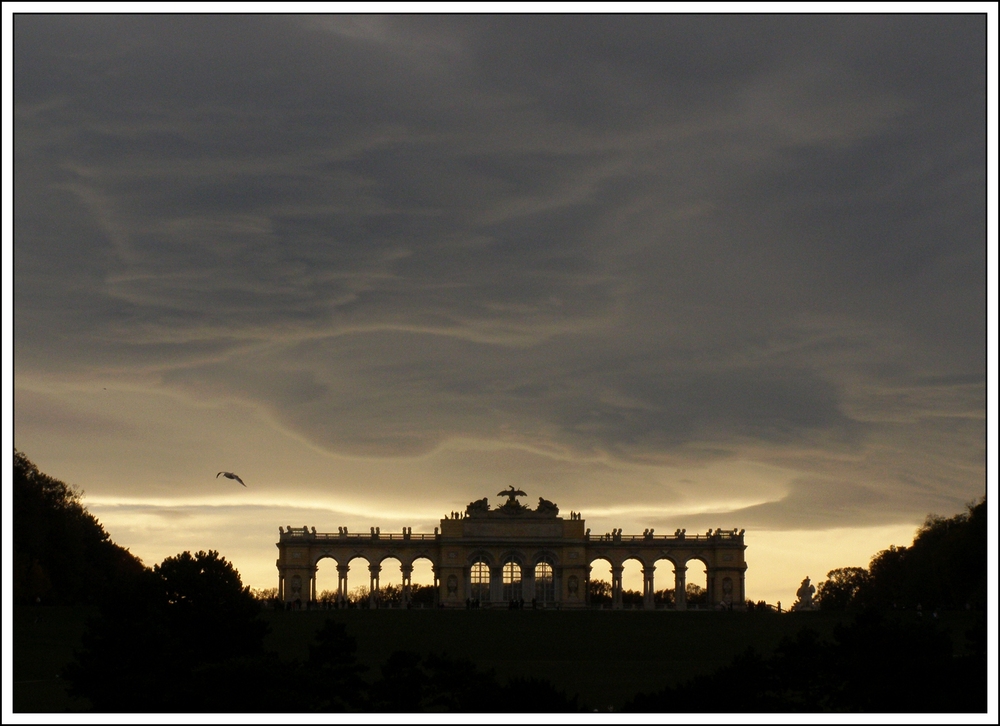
(263, 502)
(777, 560)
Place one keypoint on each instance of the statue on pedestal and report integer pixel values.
(805, 596)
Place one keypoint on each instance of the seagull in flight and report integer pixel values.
(229, 475)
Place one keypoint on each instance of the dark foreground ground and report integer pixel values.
(603, 657)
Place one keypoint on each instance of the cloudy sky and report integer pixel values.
(668, 271)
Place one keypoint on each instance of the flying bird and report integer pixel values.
(229, 475)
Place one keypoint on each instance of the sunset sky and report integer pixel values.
(664, 270)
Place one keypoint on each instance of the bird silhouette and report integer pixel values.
(229, 475)
(511, 492)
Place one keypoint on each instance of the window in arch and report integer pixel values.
(511, 581)
(480, 581)
(544, 583)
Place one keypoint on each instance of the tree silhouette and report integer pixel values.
(333, 670)
(695, 594)
(875, 664)
(599, 592)
(424, 595)
(944, 568)
(843, 588)
(158, 633)
(62, 555)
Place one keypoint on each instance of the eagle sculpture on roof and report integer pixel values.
(511, 493)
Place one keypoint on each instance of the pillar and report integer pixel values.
(373, 571)
(281, 586)
(496, 584)
(616, 587)
(312, 585)
(647, 587)
(342, 571)
(407, 571)
(680, 585)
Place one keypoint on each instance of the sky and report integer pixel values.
(668, 271)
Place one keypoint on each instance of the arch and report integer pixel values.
(545, 584)
(327, 556)
(545, 556)
(515, 556)
(481, 555)
(698, 591)
(632, 585)
(360, 594)
(512, 581)
(423, 584)
(479, 581)
(599, 579)
(326, 579)
(388, 582)
(664, 582)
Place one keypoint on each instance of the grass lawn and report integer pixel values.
(44, 641)
(605, 657)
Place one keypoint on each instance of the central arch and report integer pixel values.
(512, 585)
(545, 584)
(479, 581)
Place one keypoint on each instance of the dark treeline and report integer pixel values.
(944, 569)
(187, 636)
(62, 555)
(599, 592)
(882, 661)
(877, 664)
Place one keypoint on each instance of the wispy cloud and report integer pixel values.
(437, 254)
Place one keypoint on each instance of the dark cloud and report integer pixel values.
(636, 237)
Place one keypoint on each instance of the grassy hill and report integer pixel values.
(604, 657)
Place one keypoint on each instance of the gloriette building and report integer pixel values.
(513, 553)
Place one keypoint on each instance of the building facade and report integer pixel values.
(513, 553)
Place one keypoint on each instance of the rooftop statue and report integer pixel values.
(478, 507)
(546, 507)
(512, 506)
(511, 493)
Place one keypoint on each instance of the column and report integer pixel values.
(647, 587)
(528, 583)
(680, 583)
(342, 571)
(407, 571)
(312, 585)
(281, 587)
(586, 586)
(496, 584)
(373, 571)
(616, 587)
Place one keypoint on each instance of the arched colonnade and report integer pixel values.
(492, 557)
